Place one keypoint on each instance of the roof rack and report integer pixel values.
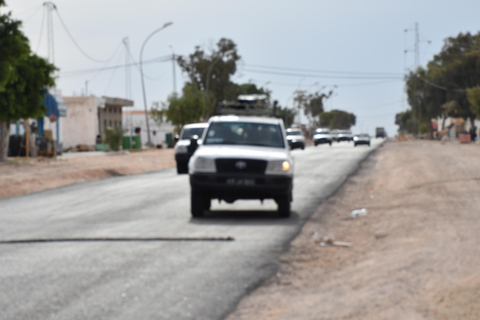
(248, 105)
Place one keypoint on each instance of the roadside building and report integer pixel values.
(135, 123)
(88, 117)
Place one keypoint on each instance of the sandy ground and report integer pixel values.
(21, 176)
(415, 255)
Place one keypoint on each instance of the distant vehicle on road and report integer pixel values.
(361, 138)
(380, 132)
(295, 138)
(322, 136)
(182, 150)
(344, 135)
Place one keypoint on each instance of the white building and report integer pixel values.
(132, 120)
(87, 117)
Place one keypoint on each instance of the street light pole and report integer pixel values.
(149, 143)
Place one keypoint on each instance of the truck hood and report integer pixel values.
(242, 152)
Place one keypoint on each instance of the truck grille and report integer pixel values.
(240, 166)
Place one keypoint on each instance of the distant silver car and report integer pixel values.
(322, 136)
(361, 138)
(295, 138)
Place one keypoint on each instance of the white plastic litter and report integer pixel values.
(358, 213)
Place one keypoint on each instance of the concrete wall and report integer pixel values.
(80, 126)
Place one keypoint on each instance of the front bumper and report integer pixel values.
(361, 141)
(322, 140)
(233, 187)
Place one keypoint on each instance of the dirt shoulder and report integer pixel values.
(22, 176)
(415, 255)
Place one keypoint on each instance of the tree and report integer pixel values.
(407, 123)
(455, 69)
(425, 98)
(13, 44)
(473, 96)
(24, 79)
(287, 115)
(311, 103)
(210, 73)
(182, 110)
(23, 94)
(337, 119)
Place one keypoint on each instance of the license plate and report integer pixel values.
(240, 182)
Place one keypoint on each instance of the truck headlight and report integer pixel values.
(278, 167)
(201, 164)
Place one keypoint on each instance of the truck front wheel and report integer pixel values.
(283, 206)
(198, 203)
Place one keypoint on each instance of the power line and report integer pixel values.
(111, 77)
(41, 30)
(77, 45)
(305, 75)
(31, 16)
(81, 72)
(324, 71)
(105, 65)
(138, 68)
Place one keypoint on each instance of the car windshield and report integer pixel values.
(188, 133)
(245, 133)
(294, 133)
(322, 132)
(362, 135)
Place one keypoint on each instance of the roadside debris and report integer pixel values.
(358, 212)
(380, 234)
(324, 240)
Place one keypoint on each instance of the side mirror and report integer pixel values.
(193, 144)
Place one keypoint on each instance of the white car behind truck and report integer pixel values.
(241, 157)
(182, 151)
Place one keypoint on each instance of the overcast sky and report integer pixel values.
(357, 46)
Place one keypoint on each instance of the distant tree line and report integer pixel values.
(448, 87)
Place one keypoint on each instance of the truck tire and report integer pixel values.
(197, 203)
(283, 206)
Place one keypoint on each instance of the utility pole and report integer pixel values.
(174, 76)
(50, 7)
(417, 48)
(128, 85)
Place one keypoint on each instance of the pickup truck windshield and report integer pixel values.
(245, 133)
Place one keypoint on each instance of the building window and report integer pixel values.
(104, 124)
(115, 124)
(110, 123)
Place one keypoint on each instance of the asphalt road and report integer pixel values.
(127, 248)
